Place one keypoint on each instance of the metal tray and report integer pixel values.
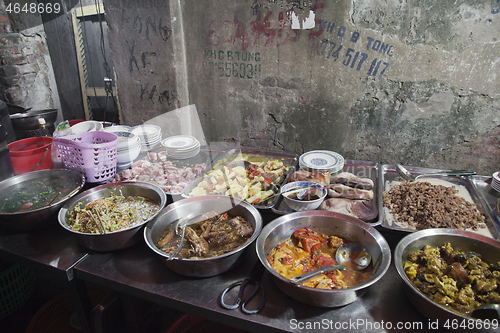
(488, 196)
(362, 169)
(290, 159)
(206, 155)
(388, 174)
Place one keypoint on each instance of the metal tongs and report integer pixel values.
(406, 175)
(183, 223)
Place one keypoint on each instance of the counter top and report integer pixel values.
(138, 272)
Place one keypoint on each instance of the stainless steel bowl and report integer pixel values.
(329, 223)
(198, 205)
(42, 217)
(115, 240)
(459, 240)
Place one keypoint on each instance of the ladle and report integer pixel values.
(406, 175)
(487, 311)
(306, 276)
(353, 255)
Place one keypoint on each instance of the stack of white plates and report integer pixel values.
(495, 182)
(150, 136)
(181, 146)
(321, 160)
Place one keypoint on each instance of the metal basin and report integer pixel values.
(29, 120)
(42, 217)
(329, 223)
(115, 240)
(198, 205)
(459, 240)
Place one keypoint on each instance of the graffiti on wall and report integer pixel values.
(334, 43)
(145, 42)
(339, 45)
(237, 64)
(495, 6)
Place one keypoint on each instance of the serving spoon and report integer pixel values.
(353, 255)
(487, 311)
(406, 175)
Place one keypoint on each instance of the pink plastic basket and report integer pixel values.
(92, 153)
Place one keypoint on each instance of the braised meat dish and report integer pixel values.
(215, 235)
(307, 250)
(460, 281)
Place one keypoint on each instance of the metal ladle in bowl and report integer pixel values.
(306, 276)
(487, 311)
(406, 175)
(352, 255)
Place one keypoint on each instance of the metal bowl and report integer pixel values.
(459, 240)
(329, 223)
(29, 120)
(42, 217)
(115, 240)
(198, 205)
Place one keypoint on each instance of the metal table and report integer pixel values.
(52, 251)
(137, 272)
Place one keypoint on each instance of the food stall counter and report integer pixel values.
(138, 273)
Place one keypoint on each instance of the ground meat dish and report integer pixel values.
(421, 205)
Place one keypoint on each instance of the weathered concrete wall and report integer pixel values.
(140, 37)
(26, 73)
(413, 82)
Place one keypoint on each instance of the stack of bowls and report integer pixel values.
(495, 182)
(181, 146)
(84, 127)
(127, 150)
(116, 128)
(150, 135)
(322, 160)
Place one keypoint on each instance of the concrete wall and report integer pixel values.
(413, 82)
(26, 73)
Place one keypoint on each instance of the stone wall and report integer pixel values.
(26, 74)
(412, 82)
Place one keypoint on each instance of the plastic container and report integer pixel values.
(17, 283)
(56, 315)
(26, 154)
(92, 153)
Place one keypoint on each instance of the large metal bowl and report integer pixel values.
(42, 217)
(199, 205)
(115, 240)
(329, 223)
(459, 240)
(29, 120)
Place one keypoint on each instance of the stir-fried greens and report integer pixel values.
(111, 214)
(33, 195)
